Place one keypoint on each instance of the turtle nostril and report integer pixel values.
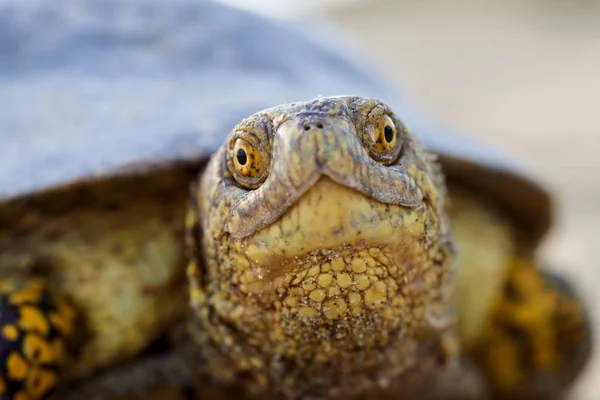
(311, 125)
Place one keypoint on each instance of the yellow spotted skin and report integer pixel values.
(331, 277)
(35, 332)
(537, 337)
(114, 249)
(525, 327)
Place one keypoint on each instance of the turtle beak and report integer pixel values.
(307, 147)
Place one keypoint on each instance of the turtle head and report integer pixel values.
(324, 246)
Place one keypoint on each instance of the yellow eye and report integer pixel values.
(247, 161)
(384, 135)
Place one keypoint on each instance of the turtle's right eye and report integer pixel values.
(247, 164)
(382, 138)
(385, 135)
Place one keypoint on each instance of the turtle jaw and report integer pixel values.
(327, 220)
(338, 261)
(341, 288)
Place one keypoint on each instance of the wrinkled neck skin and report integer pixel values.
(332, 277)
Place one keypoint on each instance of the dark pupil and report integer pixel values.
(388, 133)
(242, 157)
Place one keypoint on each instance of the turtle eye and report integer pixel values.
(247, 160)
(247, 163)
(384, 135)
(382, 138)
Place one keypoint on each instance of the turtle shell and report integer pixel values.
(98, 88)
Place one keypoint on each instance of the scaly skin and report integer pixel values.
(35, 331)
(524, 327)
(331, 276)
(537, 338)
(113, 249)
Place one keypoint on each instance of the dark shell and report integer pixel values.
(93, 88)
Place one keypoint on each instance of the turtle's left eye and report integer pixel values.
(384, 135)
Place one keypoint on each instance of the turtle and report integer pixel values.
(129, 126)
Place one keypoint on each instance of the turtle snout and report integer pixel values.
(314, 122)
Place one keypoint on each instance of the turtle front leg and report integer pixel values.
(35, 331)
(171, 373)
(538, 338)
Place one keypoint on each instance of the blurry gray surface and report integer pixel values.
(91, 87)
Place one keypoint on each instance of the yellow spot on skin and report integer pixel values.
(10, 332)
(356, 310)
(383, 259)
(359, 265)
(37, 349)
(317, 295)
(334, 308)
(338, 264)
(374, 251)
(291, 301)
(40, 382)
(27, 295)
(376, 294)
(355, 299)
(32, 319)
(17, 366)
(299, 277)
(343, 280)
(307, 312)
(362, 282)
(325, 280)
(287, 280)
(314, 270)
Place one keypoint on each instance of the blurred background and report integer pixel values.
(523, 76)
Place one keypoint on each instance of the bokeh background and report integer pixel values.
(523, 76)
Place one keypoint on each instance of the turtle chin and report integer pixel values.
(342, 292)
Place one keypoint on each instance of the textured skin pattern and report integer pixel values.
(332, 277)
(114, 248)
(35, 330)
(538, 336)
